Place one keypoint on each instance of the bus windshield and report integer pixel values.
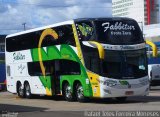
(124, 64)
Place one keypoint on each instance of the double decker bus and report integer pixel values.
(79, 59)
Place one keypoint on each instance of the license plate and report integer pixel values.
(129, 93)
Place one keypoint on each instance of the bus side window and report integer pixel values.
(69, 67)
(65, 36)
(58, 67)
(34, 69)
(31, 40)
(91, 58)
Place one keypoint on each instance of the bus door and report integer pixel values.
(55, 77)
(61, 68)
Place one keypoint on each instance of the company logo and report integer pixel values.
(85, 29)
(117, 26)
(18, 56)
(21, 68)
(124, 82)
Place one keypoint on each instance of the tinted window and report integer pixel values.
(91, 58)
(34, 69)
(125, 64)
(58, 67)
(31, 40)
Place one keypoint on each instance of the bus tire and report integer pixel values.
(27, 90)
(67, 92)
(121, 99)
(20, 90)
(79, 93)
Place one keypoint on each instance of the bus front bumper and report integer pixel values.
(124, 88)
(113, 92)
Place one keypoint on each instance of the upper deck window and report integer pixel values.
(31, 40)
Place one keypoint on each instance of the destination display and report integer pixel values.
(118, 32)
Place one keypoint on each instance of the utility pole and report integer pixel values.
(24, 25)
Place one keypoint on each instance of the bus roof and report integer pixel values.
(104, 18)
(40, 28)
(67, 22)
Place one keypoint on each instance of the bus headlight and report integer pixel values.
(110, 83)
(144, 81)
(107, 91)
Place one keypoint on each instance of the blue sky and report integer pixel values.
(36, 13)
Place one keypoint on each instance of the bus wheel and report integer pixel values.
(121, 99)
(27, 91)
(79, 93)
(67, 91)
(20, 90)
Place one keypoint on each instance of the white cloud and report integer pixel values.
(44, 12)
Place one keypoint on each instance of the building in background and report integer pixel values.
(2, 63)
(2, 43)
(128, 8)
(146, 12)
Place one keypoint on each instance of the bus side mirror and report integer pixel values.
(96, 45)
(154, 48)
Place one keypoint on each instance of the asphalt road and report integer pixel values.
(14, 106)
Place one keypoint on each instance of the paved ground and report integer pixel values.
(45, 106)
